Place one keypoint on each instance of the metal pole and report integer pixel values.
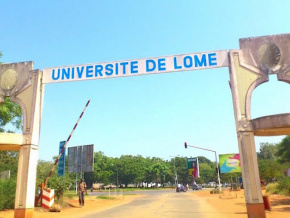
(218, 172)
(217, 168)
(117, 178)
(175, 177)
(76, 183)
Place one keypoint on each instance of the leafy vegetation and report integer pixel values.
(106, 197)
(10, 113)
(7, 188)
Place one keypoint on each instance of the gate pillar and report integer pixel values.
(23, 85)
(250, 67)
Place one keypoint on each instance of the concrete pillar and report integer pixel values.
(23, 85)
(250, 67)
(250, 172)
(25, 188)
(243, 80)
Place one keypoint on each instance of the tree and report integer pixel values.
(283, 150)
(102, 168)
(270, 170)
(267, 151)
(128, 170)
(202, 159)
(10, 112)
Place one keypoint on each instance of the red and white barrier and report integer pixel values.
(63, 148)
(47, 198)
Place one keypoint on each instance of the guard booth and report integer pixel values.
(249, 67)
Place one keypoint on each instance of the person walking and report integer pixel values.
(81, 190)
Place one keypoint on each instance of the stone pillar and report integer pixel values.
(250, 67)
(250, 172)
(23, 86)
(243, 80)
(25, 189)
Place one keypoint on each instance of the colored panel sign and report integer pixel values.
(146, 66)
(81, 159)
(193, 167)
(61, 161)
(230, 163)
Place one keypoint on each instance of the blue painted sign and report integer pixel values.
(61, 161)
(146, 66)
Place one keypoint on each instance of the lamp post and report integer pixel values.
(175, 173)
(217, 167)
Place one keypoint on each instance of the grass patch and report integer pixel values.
(129, 194)
(70, 195)
(106, 197)
(272, 188)
(216, 191)
(282, 187)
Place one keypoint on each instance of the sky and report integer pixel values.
(151, 115)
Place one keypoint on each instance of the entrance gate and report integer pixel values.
(249, 67)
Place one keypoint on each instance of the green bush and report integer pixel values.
(284, 185)
(272, 188)
(59, 184)
(7, 189)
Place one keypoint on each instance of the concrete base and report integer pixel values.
(256, 210)
(23, 213)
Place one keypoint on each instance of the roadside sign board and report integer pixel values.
(71, 164)
(88, 158)
(146, 66)
(193, 167)
(230, 163)
(81, 159)
(61, 161)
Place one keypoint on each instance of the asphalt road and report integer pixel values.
(161, 204)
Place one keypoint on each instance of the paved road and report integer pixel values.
(161, 204)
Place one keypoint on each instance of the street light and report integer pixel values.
(117, 174)
(217, 167)
(175, 174)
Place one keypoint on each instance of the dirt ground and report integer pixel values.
(92, 204)
(228, 204)
(232, 204)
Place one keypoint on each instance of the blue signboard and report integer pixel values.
(61, 162)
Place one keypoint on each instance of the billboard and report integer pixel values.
(193, 167)
(61, 161)
(230, 163)
(81, 159)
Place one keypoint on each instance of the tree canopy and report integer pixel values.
(10, 112)
(284, 150)
(268, 151)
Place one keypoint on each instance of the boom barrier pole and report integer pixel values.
(56, 161)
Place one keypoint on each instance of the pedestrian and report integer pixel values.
(81, 190)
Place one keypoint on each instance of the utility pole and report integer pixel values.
(175, 173)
